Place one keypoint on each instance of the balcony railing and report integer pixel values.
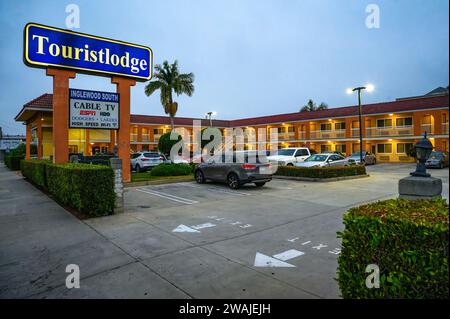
(445, 128)
(315, 135)
(133, 137)
(145, 138)
(390, 131)
(156, 137)
(355, 132)
(426, 128)
(302, 135)
(286, 136)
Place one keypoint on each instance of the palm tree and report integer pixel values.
(168, 79)
(311, 106)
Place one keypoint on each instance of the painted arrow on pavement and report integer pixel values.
(191, 229)
(278, 260)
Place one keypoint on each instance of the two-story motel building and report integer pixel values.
(389, 128)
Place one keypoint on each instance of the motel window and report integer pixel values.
(444, 118)
(290, 129)
(355, 148)
(73, 149)
(405, 121)
(445, 146)
(325, 127)
(384, 123)
(325, 148)
(158, 131)
(341, 148)
(281, 130)
(339, 126)
(384, 148)
(404, 148)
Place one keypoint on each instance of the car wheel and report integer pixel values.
(199, 177)
(233, 181)
(138, 168)
(374, 161)
(441, 165)
(290, 164)
(260, 184)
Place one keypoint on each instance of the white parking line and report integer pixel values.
(168, 196)
(218, 189)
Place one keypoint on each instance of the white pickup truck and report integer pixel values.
(290, 156)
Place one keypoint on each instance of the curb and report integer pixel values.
(320, 180)
(158, 182)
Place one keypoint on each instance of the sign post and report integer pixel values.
(123, 134)
(64, 53)
(60, 113)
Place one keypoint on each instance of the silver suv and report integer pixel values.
(235, 173)
(141, 161)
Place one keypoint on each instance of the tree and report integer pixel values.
(167, 80)
(165, 144)
(311, 106)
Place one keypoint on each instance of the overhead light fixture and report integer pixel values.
(370, 87)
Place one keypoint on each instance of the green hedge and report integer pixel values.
(408, 240)
(321, 172)
(35, 171)
(85, 187)
(171, 170)
(13, 161)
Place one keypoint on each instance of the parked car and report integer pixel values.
(290, 156)
(235, 173)
(324, 159)
(438, 160)
(141, 161)
(368, 158)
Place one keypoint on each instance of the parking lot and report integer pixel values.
(212, 241)
(189, 240)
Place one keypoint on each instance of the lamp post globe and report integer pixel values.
(423, 152)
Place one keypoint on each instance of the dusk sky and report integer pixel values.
(250, 58)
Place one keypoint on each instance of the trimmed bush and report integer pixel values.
(86, 187)
(321, 172)
(407, 240)
(35, 171)
(13, 161)
(166, 169)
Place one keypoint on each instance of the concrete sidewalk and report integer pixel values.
(38, 239)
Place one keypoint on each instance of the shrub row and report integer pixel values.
(13, 161)
(167, 169)
(87, 188)
(321, 172)
(407, 240)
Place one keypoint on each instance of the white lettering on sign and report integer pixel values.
(89, 109)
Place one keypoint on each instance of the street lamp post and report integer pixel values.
(209, 116)
(368, 88)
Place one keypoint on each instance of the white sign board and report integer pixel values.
(93, 110)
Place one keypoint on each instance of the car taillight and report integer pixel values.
(161, 158)
(248, 166)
